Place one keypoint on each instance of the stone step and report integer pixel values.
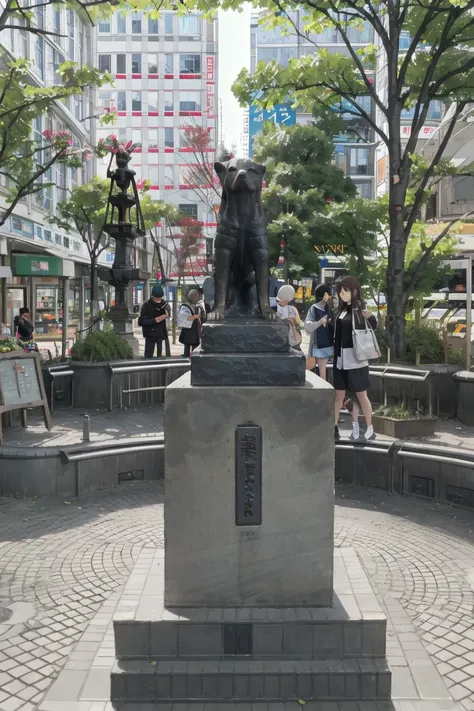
(240, 681)
(401, 705)
(285, 638)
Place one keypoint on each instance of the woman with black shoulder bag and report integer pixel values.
(354, 345)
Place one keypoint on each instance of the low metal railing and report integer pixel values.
(129, 368)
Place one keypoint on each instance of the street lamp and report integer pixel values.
(124, 223)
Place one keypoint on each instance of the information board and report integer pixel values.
(19, 382)
(21, 386)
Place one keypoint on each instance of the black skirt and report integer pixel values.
(354, 381)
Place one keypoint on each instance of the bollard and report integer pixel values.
(86, 428)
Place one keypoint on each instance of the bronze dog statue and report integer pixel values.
(241, 245)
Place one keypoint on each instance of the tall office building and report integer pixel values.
(43, 267)
(165, 82)
(354, 151)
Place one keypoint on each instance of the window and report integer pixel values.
(169, 64)
(153, 175)
(136, 101)
(169, 138)
(137, 23)
(121, 101)
(23, 43)
(61, 181)
(40, 17)
(57, 20)
(107, 100)
(364, 190)
(152, 64)
(361, 33)
(105, 62)
(169, 175)
(71, 32)
(104, 26)
(121, 63)
(168, 24)
(152, 134)
(359, 161)
(121, 24)
(39, 56)
(137, 137)
(189, 209)
(189, 63)
(136, 63)
(58, 59)
(152, 26)
(152, 101)
(281, 54)
(169, 101)
(190, 101)
(189, 25)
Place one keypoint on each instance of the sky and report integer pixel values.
(234, 53)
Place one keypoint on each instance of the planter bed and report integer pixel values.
(413, 428)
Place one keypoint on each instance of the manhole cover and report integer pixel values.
(5, 614)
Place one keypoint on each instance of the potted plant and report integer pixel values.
(90, 360)
(7, 345)
(398, 422)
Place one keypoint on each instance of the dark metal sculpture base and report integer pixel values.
(245, 336)
(245, 352)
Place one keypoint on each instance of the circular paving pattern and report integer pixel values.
(65, 558)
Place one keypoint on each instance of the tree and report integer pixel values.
(301, 182)
(26, 159)
(437, 64)
(188, 247)
(200, 157)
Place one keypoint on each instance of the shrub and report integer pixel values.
(7, 345)
(101, 346)
(457, 356)
(426, 341)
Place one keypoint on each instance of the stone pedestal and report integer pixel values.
(288, 559)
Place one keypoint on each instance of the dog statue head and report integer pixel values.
(240, 175)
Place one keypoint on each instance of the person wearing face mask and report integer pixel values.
(351, 374)
(318, 324)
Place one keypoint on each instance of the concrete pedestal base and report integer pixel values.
(171, 655)
(288, 559)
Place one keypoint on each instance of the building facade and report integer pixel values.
(165, 86)
(355, 148)
(42, 267)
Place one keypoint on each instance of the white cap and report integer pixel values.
(286, 293)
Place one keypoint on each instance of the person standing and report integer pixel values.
(189, 321)
(350, 373)
(23, 327)
(319, 325)
(289, 313)
(153, 316)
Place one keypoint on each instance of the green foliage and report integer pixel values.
(457, 356)
(101, 346)
(7, 345)
(301, 185)
(26, 161)
(396, 412)
(426, 341)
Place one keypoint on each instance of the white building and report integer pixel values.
(165, 79)
(40, 283)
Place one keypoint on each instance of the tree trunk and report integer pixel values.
(94, 305)
(395, 281)
(286, 266)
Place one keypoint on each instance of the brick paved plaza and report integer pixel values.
(63, 564)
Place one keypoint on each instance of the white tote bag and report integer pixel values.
(364, 341)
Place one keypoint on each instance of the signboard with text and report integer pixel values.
(282, 114)
(36, 265)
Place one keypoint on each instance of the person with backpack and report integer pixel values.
(319, 325)
(287, 312)
(153, 316)
(23, 326)
(189, 321)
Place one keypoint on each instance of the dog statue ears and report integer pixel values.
(245, 164)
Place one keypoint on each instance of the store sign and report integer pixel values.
(37, 265)
(210, 100)
(426, 131)
(209, 68)
(280, 114)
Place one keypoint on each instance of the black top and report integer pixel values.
(343, 329)
(24, 328)
(149, 311)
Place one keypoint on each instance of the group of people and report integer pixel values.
(154, 321)
(331, 331)
(332, 336)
